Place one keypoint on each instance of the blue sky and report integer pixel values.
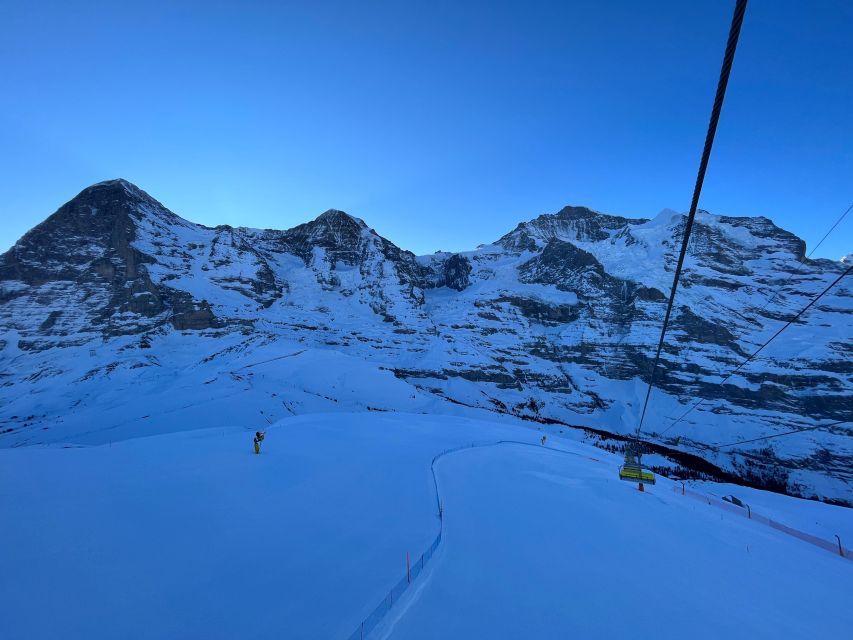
(442, 124)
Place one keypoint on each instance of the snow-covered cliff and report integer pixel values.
(120, 318)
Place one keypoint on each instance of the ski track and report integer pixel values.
(396, 617)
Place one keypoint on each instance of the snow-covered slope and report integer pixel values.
(193, 536)
(120, 318)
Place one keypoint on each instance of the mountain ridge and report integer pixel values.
(555, 321)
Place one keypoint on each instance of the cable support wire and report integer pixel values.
(767, 342)
(728, 58)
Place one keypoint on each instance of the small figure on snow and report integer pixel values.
(259, 438)
(544, 438)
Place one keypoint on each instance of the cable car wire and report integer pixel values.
(803, 259)
(781, 287)
(757, 351)
(728, 58)
(778, 291)
(831, 229)
(779, 435)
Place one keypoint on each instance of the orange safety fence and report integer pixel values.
(366, 626)
(746, 511)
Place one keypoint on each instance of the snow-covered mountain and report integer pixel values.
(120, 318)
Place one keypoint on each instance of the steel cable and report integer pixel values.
(728, 58)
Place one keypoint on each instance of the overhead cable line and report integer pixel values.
(757, 351)
(831, 229)
(785, 433)
(804, 258)
(728, 58)
(780, 288)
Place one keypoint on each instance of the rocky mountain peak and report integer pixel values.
(580, 213)
(98, 222)
(558, 324)
(573, 212)
(336, 216)
(110, 193)
(339, 234)
(116, 185)
(571, 223)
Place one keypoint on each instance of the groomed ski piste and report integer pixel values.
(191, 535)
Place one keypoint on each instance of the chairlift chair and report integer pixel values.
(633, 470)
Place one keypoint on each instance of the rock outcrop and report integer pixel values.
(556, 321)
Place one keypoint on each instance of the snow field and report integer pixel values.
(543, 545)
(191, 535)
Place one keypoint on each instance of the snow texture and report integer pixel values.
(192, 535)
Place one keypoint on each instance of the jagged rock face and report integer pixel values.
(84, 265)
(570, 223)
(558, 320)
(88, 237)
(447, 270)
(341, 236)
(569, 268)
